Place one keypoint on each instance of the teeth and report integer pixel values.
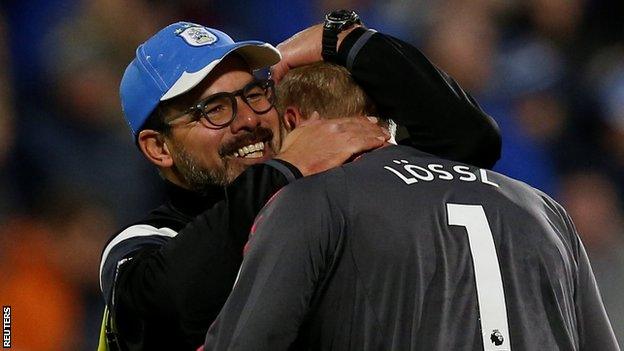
(250, 151)
(256, 154)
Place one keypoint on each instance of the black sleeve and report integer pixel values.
(295, 238)
(440, 117)
(167, 297)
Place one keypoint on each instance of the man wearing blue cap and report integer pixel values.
(210, 127)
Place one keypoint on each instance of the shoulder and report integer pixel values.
(556, 209)
(323, 187)
(309, 200)
(160, 226)
(528, 196)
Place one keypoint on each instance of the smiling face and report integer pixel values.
(204, 156)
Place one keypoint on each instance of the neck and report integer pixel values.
(172, 175)
(192, 203)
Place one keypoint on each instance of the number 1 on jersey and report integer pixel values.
(490, 293)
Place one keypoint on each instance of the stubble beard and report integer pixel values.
(201, 179)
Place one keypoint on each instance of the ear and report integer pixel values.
(154, 147)
(292, 117)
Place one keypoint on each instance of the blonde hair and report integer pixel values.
(326, 88)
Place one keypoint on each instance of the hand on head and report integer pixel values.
(302, 49)
(317, 145)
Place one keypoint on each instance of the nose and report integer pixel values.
(246, 118)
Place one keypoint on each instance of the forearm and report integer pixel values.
(440, 117)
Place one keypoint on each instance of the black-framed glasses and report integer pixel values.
(219, 110)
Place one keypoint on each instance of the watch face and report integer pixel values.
(341, 15)
(340, 20)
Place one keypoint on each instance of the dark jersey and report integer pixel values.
(192, 244)
(401, 250)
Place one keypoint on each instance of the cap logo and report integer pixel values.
(197, 36)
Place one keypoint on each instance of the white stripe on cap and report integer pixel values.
(256, 59)
(188, 81)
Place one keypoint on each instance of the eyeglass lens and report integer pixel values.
(221, 109)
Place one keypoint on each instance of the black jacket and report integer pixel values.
(166, 277)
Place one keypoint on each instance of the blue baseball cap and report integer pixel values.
(175, 60)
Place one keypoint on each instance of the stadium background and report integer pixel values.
(551, 72)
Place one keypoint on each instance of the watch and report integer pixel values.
(336, 22)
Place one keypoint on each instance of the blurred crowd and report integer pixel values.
(551, 72)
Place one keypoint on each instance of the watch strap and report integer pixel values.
(330, 40)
